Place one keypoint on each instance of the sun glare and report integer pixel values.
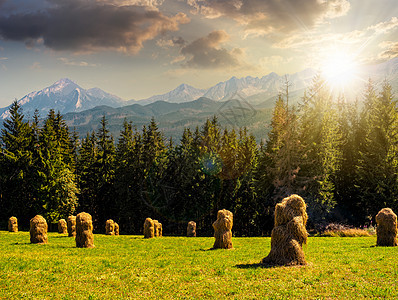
(339, 70)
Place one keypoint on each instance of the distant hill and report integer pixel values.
(174, 117)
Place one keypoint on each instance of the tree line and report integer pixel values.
(340, 156)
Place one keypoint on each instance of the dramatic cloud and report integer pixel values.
(167, 43)
(359, 37)
(273, 16)
(89, 26)
(384, 27)
(69, 62)
(206, 52)
(391, 50)
(150, 4)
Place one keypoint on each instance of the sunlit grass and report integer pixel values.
(180, 267)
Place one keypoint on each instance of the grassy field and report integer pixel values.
(185, 268)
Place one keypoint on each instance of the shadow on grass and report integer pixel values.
(214, 249)
(202, 249)
(256, 266)
(20, 244)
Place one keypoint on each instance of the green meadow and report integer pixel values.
(130, 267)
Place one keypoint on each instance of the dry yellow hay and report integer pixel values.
(71, 222)
(84, 231)
(149, 228)
(110, 227)
(191, 229)
(38, 230)
(62, 227)
(222, 229)
(116, 228)
(158, 228)
(289, 233)
(386, 227)
(13, 224)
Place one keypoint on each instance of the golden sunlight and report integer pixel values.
(339, 69)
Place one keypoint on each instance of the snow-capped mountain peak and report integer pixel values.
(64, 96)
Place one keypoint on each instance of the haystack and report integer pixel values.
(157, 228)
(62, 227)
(38, 230)
(84, 231)
(13, 224)
(289, 233)
(222, 229)
(110, 227)
(191, 229)
(160, 230)
(116, 228)
(149, 228)
(71, 226)
(386, 228)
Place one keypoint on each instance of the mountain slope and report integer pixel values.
(172, 117)
(183, 93)
(64, 96)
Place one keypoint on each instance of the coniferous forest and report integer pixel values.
(339, 155)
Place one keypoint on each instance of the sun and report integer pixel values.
(339, 69)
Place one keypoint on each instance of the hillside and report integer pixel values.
(174, 117)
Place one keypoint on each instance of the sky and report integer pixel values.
(139, 48)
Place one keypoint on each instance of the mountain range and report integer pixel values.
(185, 106)
(66, 96)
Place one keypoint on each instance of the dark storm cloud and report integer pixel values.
(206, 52)
(88, 26)
(272, 16)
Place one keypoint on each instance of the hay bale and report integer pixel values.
(110, 227)
(62, 227)
(289, 233)
(158, 228)
(71, 222)
(13, 224)
(149, 228)
(191, 229)
(38, 230)
(84, 231)
(222, 229)
(116, 228)
(386, 228)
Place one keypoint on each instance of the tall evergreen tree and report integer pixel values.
(58, 186)
(105, 168)
(320, 140)
(17, 169)
(378, 163)
(87, 174)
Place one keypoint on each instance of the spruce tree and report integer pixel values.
(105, 168)
(17, 176)
(320, 142)
(58, 185)
(378, 164)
